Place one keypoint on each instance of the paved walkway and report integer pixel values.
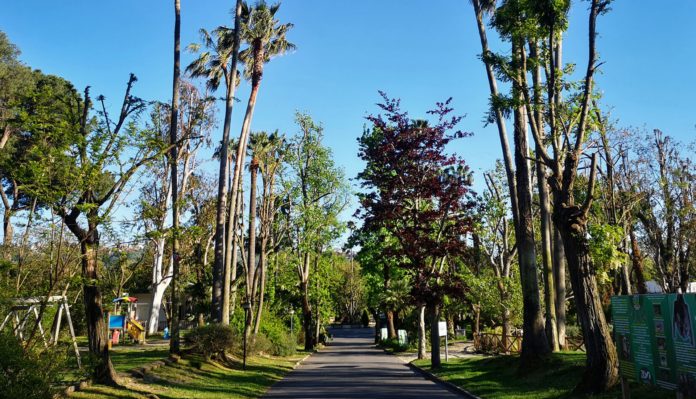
(351, 367)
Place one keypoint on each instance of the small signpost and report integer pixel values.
(442, 331)
(383, 333)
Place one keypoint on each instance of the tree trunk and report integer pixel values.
(232, 252)
(391, 332)
(176, 294)
(219, 260)
(421, 332)
(434, 338)
(375, 314)
(559, 285)
(547, 259)
(159, 285)
(637, 260)
(506, 329)
(307, 316)
(94, 315)
(251, 279)
(534, 342)
(262, 289)
(7, 227)
(602, 362)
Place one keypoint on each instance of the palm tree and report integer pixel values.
(266, 39)
(217, 66)
(267, 157)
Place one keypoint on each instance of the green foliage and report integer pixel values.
(604, 249)
(212, 340)
(393, 345)
(35, 375)
(365, 318)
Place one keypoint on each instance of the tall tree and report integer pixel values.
(222, 65)
(82, 174)
(317, 195)
(419, 194)
(174, 159)
(267, 39)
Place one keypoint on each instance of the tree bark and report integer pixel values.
(421, 332)
(534, 342)
(637, 260)
(262, 288)
(434, 337)
(307, 315)
(547, 259)
(391, 331)
(602, 362)
(94, 314)
(176, 295)
(219, 260)
(559, 284)
(251, 280)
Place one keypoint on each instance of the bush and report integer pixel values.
(38, 375)
(365, 319)
(394, 345)
(285, 346)
(211, 340)
(573, 331)
(259, 344)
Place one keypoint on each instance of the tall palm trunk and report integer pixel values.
(219, 290)
(174, 155)
(231, 254)
(251, 281)
(262, 283)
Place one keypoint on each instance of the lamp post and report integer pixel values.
(246, 306)
(292, 317)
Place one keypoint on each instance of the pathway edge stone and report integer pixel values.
(435, 378)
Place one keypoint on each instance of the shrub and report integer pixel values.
(285, 346)
(259, 344)
(365, 319)
(38, 375)
(394, 345)
(211, 340)
(573, 330)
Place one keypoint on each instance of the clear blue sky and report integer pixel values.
(421, 52)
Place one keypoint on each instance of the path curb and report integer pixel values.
(299, 362)
(435, 378)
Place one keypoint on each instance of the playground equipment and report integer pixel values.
(29, 306)
(126, 322)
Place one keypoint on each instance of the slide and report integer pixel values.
(136, 331)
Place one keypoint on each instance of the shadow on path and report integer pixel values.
(352, 367)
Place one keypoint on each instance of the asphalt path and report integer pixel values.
(352, 367)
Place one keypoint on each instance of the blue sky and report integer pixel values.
(421, 52)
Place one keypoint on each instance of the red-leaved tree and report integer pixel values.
(420, 195)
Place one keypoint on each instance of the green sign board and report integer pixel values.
(655, 339)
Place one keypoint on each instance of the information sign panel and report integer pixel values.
(403, 337)
(655, 339)
(442, 328)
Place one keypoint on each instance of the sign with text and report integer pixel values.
(655, 339)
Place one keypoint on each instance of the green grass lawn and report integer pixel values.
(193, 377)
(495, 378)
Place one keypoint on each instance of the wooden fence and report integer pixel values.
(489, 342)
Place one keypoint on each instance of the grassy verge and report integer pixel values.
(194, 377)
(495, 378)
